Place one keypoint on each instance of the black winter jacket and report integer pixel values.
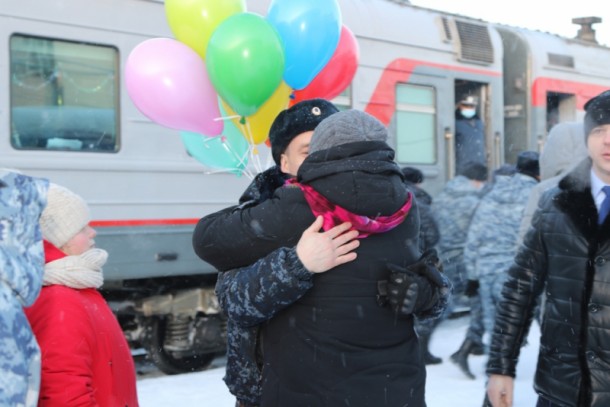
(567, 254)
(335, 345)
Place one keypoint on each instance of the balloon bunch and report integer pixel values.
(229, 73)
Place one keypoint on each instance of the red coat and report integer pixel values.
(86, 360)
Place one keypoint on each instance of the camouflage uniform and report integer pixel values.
(22, 200)
(250, 296)
(493, 238)
(453, 209)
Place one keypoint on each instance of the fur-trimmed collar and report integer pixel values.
(576, 201)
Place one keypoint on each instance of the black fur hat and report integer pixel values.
(302, 117)
(528, 163)
(597, 112)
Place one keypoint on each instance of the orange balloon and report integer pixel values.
(255, 128)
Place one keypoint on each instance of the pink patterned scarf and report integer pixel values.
(334, 214)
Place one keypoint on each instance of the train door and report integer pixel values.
(560, 107)
(419, 127)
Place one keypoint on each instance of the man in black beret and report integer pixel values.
(286, 274)
(565, 254)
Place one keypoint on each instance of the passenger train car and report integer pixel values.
(65, 115)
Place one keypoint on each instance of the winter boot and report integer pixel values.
(429, 359)
(478, 349)
(460, 358)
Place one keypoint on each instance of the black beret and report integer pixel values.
(303, 116)
(597, 112)
(528, 163)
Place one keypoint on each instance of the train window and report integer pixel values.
(415, 124)
(64, 95)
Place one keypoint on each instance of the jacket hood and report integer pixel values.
(563, 149)
(361, 177)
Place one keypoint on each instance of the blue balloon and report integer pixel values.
(227, 152)
(310, 31)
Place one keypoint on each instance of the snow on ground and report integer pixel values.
(446, 385)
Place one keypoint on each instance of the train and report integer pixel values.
(65, 115)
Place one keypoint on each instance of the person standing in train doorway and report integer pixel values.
(469, 135)
(565, 253)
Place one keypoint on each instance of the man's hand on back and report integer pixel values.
(321, 251)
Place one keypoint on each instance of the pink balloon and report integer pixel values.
(168, 82)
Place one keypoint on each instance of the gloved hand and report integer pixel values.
(409, 293)
(263, 185)
(472, 288)
(415, 288)
(429, 265)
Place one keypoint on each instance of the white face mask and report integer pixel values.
(468, 113)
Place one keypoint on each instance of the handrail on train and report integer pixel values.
(450, 157)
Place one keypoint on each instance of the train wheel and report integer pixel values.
(166, 361)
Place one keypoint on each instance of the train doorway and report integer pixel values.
(479, 94)
(560, 107)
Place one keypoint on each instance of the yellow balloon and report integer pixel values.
(194, 21)
(256, 126)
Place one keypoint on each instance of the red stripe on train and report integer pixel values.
(382, 104)
(142, 222)
(583, 91)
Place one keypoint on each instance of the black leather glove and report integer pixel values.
(415, 288)
(264, 185)
(429, 266)
(472, 288)
(410, 293)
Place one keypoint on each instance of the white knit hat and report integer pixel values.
(65, 215)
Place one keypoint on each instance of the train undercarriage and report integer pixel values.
(181, 329)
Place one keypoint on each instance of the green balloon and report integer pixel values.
(245, 62)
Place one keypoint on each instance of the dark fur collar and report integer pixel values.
(576, 201)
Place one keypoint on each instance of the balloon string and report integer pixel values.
(242, 158)
(217, 119)
(255, 158)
